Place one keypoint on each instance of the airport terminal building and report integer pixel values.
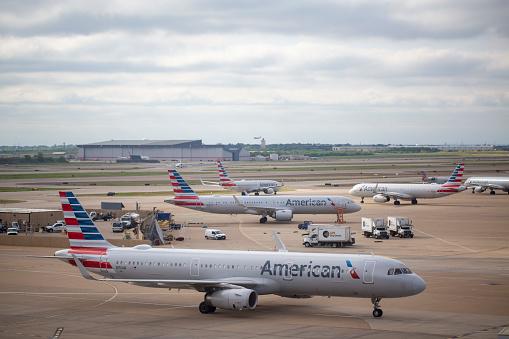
(162, 150)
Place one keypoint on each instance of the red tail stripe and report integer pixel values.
(75, 235)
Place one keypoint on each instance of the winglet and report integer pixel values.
(82, 268)
(280, 246)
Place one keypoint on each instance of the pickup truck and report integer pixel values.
(56, 227)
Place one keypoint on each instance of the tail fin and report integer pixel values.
(456, 177)
(184, 194)
(81, 230)
(424, 176)
(224, 180)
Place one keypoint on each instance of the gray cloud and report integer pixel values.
(292, 71)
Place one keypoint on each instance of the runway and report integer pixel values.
(460, 249)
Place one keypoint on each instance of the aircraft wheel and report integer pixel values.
(414, 201)
(492, 192)
(257, 193)
(377, 313)
(205, 309)
(397, 202)
(263, 220)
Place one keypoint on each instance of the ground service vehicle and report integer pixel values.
(214, 234)
(374, 227)
(12, 231)
(117, 226)
(130, 220)
(56, 227)
(328, 235)
(400, 227)
(304, 226)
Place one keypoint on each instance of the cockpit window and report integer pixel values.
(397, 271)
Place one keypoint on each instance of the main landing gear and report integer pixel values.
(263, 220)
(377, 312)
(205, 309)
(362, 200)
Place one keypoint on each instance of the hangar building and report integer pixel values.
(163, 150)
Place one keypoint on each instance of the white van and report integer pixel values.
(214, 234)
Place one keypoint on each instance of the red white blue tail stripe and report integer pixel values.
(224, 180)
(454, 183)
(81, 230)
(184, 194)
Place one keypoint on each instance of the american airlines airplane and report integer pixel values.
(384, 192)
(232, 280)
(480, 184)
(277, 207)
(433, 180)
(244, 186)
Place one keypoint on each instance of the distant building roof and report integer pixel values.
(143, 143)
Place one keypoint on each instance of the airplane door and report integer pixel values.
(369, 270)
(103, 264)
(195, 267)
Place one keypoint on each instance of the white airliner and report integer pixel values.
(384, 192)
(277, 207)
(244, 186)
(232, 280)
(480, 184)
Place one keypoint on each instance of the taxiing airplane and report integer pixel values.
(232, 280)
(433, 180)
(277, 207)
(481, 184)
(244, 186)
(384, 192)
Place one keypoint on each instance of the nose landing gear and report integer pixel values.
(377, 312)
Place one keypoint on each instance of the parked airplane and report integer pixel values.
(384, 192)
(233, 280)
(244, 186)
(433, 180)
(277, 207)
(480, 184)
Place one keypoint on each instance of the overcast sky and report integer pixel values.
(226, 71)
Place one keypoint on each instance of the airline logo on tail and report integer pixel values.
(184, 194)
(82, 233)
(454, 183)
(224, 180)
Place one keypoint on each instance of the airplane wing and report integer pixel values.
(257, 209)
(210, 183)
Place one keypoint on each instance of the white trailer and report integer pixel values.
(400, 227)
(374, 227)
(328, 235)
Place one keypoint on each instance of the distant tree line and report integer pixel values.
(36, 159)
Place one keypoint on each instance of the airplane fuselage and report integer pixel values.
(252, 185)
(283, 273)
(297, 204)
(422, 191)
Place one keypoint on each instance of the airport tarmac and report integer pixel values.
(460, 249)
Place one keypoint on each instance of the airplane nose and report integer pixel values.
(418, 285)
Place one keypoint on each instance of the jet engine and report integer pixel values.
(380, 198)
(233, 299)
(479, 189)
(283, 215)
(269, 191)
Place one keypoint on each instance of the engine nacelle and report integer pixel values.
(283, 215)
(269, 191)
(479, 189)
(233, 299)
(380, 198)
